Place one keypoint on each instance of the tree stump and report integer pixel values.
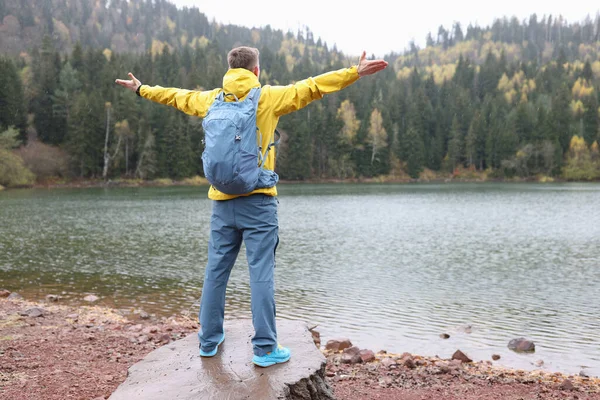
(176, 370)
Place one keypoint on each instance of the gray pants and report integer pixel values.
(252, 219)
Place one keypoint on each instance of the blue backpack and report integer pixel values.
(233, 160)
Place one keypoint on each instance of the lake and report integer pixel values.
(388, 266)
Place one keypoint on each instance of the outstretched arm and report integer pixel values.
(189, 101)
(290, 98)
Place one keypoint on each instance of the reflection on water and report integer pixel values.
(389, 266)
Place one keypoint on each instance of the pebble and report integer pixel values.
(567, 385)
(135, 328)
(91, 298)
(459, 355)
(366, 355)
(388, 362)
(521, 345)
(150, 329)
(143, 339)
(53, 297)
(338, 344)
(539, 363)
(33, 312)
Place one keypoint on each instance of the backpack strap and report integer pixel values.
(254, 96)
(274, 143)
(222, 96)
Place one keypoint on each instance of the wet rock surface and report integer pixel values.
(33, 312)
(177, 371)
(338, 344)
(460, 356)
(521, 345)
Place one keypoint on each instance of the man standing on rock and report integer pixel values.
(251, 217)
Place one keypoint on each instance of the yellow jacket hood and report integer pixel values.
(239, 81)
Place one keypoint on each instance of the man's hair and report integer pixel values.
(243, 57)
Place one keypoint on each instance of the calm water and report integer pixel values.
(389, 266)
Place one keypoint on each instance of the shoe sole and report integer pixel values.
(215, 351)
(265, 365)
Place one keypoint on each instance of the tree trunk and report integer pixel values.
(106, 155)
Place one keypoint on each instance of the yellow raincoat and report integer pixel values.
(274, 102)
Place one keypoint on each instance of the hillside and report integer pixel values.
(515, 99)
(129, 26)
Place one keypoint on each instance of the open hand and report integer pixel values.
(132, 84)
(369, 67)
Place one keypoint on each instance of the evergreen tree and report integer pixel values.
(589, 118)
(422, 104)
(455, 145)
(412, 148)
(12, 102)
(46, 68)
(561, 118)
(179, 153)
(63, 98)
(524, 123)
(85, 138)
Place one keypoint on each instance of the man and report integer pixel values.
(251, 217)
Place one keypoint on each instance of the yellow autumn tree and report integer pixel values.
(594, 150)
(577, 108)
(377, 136)
(342, 165)
(517, 87)
(579, 163)
(582, 88)
(347, 114)
(13, 172)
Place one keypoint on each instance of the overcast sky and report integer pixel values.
(381, 26)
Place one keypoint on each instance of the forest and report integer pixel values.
(515, 100)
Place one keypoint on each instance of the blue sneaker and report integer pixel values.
(279, 355)
(214, 351)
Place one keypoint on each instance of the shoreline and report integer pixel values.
(201, 182)
(49, 350)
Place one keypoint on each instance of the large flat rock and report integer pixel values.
(176, 370)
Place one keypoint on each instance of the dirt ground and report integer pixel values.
(50, 351)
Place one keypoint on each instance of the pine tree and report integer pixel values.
(179, 154)
(455, 145)
(12, 102)
(63, 98)
(590, 118)
(85, 138)
(412, 145)
(561, 118)
(524, 124)
(46, 68)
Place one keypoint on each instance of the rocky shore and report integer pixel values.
(53, 351)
